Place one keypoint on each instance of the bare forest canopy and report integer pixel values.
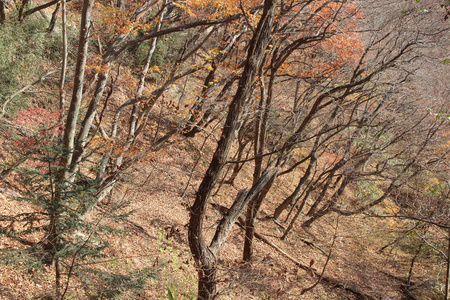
(241, 149)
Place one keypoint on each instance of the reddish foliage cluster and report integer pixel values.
(344, 48)
(212, 9)
(40, 126)
(339, 45)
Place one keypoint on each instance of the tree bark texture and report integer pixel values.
(447, 273)
(299, 187)
(2, 13)
(74, 108)
(204, 257)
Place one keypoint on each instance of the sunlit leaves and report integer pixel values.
(215, 8)
(339, 45)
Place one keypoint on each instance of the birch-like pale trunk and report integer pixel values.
(53, 239)
(77, 94)
(62, 80)
(139, 91)
(447, 273)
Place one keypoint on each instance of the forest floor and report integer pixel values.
(153, 243)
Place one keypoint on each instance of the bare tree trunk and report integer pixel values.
(53, 238)
(88, 120)
(238, 166)
(411, 266)
(74, 109)
(319, 214)
(298, 188)
(330, 203)
(2, 13)
(205, 258)
(52, 24)
(447, 273)
(295, 204)
(322, 195)
(259, 146)
(39, 8)
(22, 8)
(299, 210)
(242, 141)
(206, 119)
(62, 92)
(252, 211)
(57, 278)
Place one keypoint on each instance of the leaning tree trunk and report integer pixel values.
(62, 79)
(53, 239)
(206, 260)
(447, 273)
(2, 13)
(239, 153)
(259, 146)
(300, 185)
(331, 202)
(52, 24)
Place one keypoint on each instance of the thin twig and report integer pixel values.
(75, 254)
(326, 262)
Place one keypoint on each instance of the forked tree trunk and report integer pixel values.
(259, 145)
(74, 108)
(53, 239)
(203, 254)
(252, 211)
(22, 8)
